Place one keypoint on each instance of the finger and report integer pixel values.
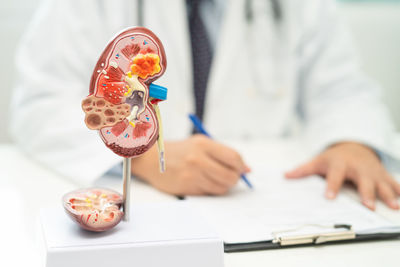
(219, 173)
(248, 169)
(209, 187)
(186, 183)
(366, 188)
(227, 156)
(387, 194)
(395, 185)
(195, 181)
(334, 179)
(306, 169)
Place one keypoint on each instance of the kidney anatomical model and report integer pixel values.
(119, 105)
(122, 106)
(94, 209)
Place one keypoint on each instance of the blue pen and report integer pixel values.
(200, 128)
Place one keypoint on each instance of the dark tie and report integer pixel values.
(201, 55)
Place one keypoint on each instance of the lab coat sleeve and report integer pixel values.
(55, 61)
(337, 102)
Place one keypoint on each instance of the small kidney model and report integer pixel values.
(123, 107)
(94, 209)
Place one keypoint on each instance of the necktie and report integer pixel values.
(201, 55)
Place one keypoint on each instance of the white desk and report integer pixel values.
(28, 187)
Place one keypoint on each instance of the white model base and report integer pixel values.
(168, 234)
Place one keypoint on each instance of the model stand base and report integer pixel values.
(165, 234)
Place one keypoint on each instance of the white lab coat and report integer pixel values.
(267, 79)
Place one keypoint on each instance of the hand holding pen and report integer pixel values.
(196, 165)
(200, 128)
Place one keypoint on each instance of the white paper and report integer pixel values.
(278, 204)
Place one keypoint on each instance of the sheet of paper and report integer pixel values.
(278, 204)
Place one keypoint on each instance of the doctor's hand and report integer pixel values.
(358, 164)
(195, 166)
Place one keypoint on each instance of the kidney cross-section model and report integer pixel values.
(122, 101)
(94, 209)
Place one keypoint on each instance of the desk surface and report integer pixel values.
(30, 186)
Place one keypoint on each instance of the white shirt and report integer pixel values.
(266, 80)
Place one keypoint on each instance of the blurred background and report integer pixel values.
(375, 25)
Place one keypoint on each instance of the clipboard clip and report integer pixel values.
(318, 238)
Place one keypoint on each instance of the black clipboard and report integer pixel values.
(347, 235)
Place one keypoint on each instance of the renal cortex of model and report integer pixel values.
(123, 102)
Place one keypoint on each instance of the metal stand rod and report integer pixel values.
(126, 172)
